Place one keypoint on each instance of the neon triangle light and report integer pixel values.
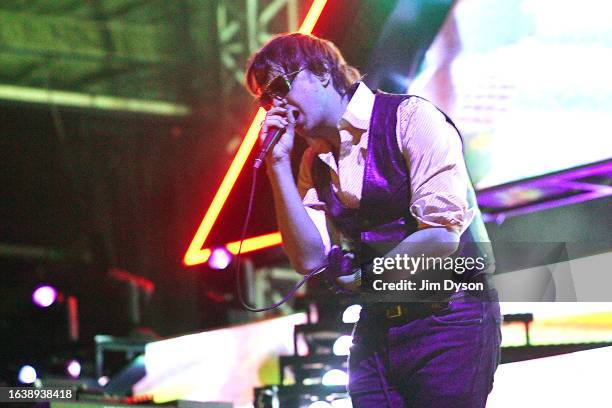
(196, 253)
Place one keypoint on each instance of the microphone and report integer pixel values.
(273, 135)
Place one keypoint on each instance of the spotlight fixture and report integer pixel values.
(351, 314)
(27, 375)
(342, 345)
(220, 258)
(320, 404)
(335, 377)
(342, 403)
(73, 368)
(44, 295)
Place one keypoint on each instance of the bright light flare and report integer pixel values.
(342, 345)
(44, 296)
(73, 368)
(335, 377)
(220, 258)
(351, 314)
(27, 375)
(342, 403)
(320, 404)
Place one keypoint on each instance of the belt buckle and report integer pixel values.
(394, 312)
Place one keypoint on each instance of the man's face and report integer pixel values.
(307, 101)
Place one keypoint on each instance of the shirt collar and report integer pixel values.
(359, 109)
(352, 126)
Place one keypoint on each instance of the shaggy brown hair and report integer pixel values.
(295, 51)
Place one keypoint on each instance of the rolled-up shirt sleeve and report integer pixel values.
(433, 152)
(315, 208)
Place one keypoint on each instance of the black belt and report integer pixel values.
(392, 314)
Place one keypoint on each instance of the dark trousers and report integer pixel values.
(445, 359)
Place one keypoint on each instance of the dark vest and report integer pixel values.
(383, 218)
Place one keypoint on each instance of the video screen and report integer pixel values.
(527, 83)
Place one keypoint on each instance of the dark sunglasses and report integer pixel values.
(278, 87)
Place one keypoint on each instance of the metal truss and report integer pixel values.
(242, 27)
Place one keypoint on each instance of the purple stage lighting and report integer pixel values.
(44, 296)
(220, 258)
(73, 368)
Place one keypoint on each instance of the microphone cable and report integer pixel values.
(238, 260)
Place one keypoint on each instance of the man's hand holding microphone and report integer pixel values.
(277, 135)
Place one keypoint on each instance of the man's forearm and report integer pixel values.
(434, 242)
(429, 242)
(301, 239)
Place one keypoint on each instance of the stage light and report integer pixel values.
(351, 314)
(320, 404)
(342, 403)
(27, 374)
(44, 296)
(219, 259)
(102, 381)
(335, 377)
(342, 345)
(73, 368)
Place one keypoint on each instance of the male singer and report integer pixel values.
(379, 168)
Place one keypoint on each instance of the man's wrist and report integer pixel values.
(276, 166)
